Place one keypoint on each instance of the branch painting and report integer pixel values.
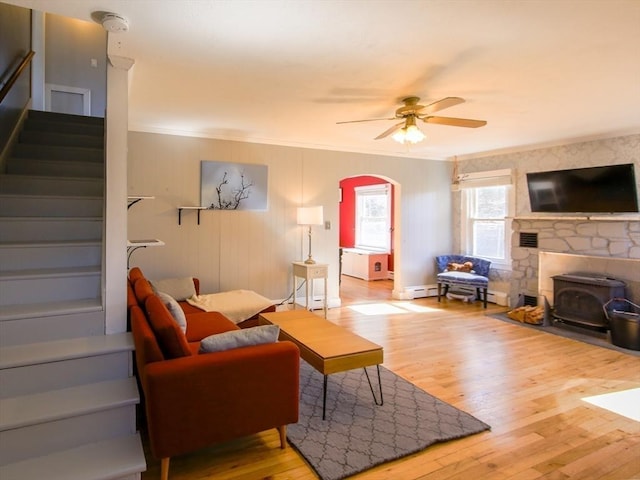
(233, 186)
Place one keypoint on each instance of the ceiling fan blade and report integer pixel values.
(391, 130)
(367, 120)
(455, 122)
(442, 104)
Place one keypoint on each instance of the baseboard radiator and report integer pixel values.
(423, 291)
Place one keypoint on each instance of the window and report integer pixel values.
(373, 217)
(487, 204)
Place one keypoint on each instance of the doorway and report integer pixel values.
(367, 212)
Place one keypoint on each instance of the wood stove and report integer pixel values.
(578, 298)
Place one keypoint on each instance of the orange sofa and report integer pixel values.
(194, 399)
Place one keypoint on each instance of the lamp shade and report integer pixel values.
(310, 215)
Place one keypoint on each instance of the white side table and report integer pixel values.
(309, 272)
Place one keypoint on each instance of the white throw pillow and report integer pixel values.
(174, 309)
(179, 288)
(240, 338)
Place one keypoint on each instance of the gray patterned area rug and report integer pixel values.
(357, 434)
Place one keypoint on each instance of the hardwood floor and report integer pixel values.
(528, 385)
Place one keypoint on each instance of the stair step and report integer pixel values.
(17, 229)
(25, 410)
(50, 309)
(111, 459)
(46, 185)
(75, 128)
(64, 168)
(41, 115)
(40, 366)
(30, 255)
(47, 352)
(62, 139)
(58, 152)
(22, 324)
(15, 205)
(23, 287)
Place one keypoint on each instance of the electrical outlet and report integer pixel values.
(327, 225)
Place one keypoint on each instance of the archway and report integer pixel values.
(372, 264)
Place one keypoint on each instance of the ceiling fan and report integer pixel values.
(408, 131)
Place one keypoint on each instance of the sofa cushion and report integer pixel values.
(240, 338)
(170, 337)
(143, 290)
(201, 325)
(147, 348)
(175, 310)
(134, 274)
(179, 288)
(131, 296)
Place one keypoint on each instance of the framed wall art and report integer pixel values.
(233, 186)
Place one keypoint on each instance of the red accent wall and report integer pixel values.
(348, 210)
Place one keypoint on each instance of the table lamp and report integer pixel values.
(309, 216)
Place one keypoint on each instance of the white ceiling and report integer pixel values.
(540, 72)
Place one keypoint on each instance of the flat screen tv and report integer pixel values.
(607, 189)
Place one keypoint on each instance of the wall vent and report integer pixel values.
(529, 239)
(530, 300)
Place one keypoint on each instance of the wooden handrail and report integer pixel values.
(14, 76)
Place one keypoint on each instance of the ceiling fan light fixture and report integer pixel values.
(409, 134)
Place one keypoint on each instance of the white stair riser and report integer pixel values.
(43, 329)
(40, 185)
(66, 373)
(62, 139)
(64, 117)
(44, 116)
(49, 256)
(33, 206)
(49, 289)
(44, 438)
(32, 125)
(52, 152)
(53, 168)
(119, 458)
(45, 229)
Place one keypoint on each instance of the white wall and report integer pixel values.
(71, 44)
(254, 249)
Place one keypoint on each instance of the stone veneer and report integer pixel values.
(600, 238)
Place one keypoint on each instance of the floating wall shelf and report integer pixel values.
(133, 199)
(133, 245)
(189, 208)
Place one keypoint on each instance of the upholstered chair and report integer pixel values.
(463, 271)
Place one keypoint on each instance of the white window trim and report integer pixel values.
(493, 178)
(373, 190)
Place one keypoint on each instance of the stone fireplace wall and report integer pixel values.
(571, 235)
(588, 238)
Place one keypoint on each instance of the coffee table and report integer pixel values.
(327, 347)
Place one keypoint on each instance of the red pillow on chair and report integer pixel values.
(169, 335)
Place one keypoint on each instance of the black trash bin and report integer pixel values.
(624, 322)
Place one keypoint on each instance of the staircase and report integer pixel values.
(67, 397)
